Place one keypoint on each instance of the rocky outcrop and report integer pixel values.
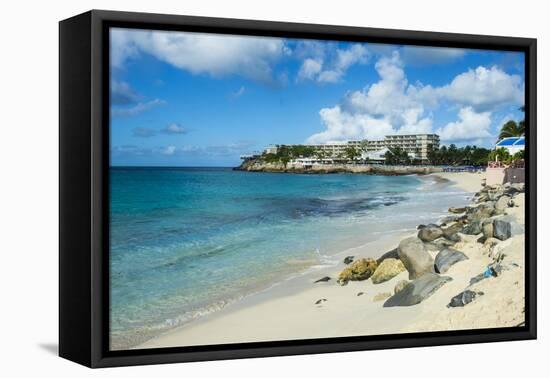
(400, 286)
(415, 257)
(418, 290)
(388, 255)
(388, 269)
(260, 165)
(502, 204)
(447, 258)
(505, 227)
(430, 233)
(358, 271)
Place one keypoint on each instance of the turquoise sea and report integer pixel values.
(185, 242)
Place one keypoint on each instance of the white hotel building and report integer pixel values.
(416, 145)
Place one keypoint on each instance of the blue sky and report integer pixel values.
(188, 99)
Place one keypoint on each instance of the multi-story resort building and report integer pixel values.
(416, 145)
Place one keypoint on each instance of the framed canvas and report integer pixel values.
(234, 188)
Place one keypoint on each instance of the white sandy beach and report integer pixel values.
(289, 311)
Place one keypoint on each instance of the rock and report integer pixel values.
(450, 233)
(457, 210)
(452, 218)
(439, 244)
(381, 296)
(502, 204)
(388, 255)
(430, 233)
(490, 243)
(400, 286)
(478, 213)
(472, 228)
(415, 258)
(388, 269)
(447, 258)
(324, 279)
(505, 227)
(487, 229)
(358, 271)
(348, 259)
(482, 197)
(418, 290)
(320, 301)
(455, 238)
(519, 200)
(462, 299)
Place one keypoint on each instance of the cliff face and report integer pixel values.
(257, 165)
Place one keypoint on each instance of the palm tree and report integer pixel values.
(511, 129)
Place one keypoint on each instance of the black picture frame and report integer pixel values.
(84, 189)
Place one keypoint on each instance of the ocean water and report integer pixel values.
(185, 242)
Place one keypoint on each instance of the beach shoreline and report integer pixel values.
(301, 309)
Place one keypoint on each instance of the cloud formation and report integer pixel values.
(469, 127)
(394, 106)
(135, 109)
(174, 128)
(122, 93)
(215, 55)
(326, 64)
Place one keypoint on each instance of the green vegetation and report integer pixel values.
(397, 156)
(352, 153)
(453, 155)
(512, 128)
(502, 155)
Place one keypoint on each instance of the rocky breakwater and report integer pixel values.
(259, 165)
(476, 252)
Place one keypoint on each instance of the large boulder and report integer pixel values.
(451, 232)
(472, 228)
(415, 257)
(505, 227)
(447, 258)
(478, 213)
(388, 269)
(430, 233)
(457, 210)
(502, 204)
(388, 255)
(418, 290)
(358, 271)
(487, 229)
(400, 286)
(519, 200)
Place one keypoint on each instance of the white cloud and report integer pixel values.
(122, 93)
(174, 128)
(393, 105)
(238, 93)
(388, 106)
(310, 69)
(216, 55)
(327, 64)
(136, 109)
(485, 88)
(470, 126)
(168, 150)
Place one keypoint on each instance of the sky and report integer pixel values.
(191, 99)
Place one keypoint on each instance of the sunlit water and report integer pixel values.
(187, 241)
